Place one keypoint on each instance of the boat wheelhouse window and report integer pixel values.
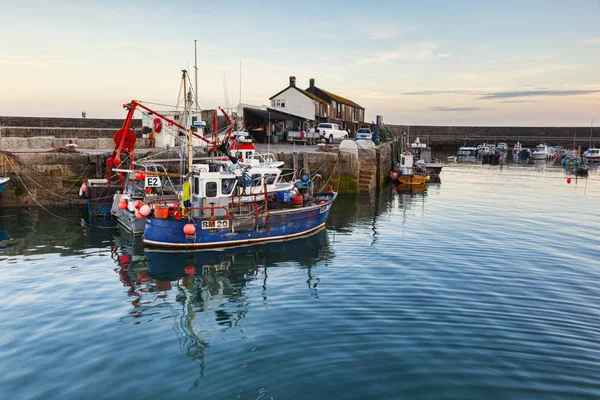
(211, 189)
(270, 178)
(248, 154)
(256, 178)
(227, 185)
(402, 160)
(238, 154)
(197, 186)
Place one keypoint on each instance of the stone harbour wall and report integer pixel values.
(528, 136)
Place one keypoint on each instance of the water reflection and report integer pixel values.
(204, 291)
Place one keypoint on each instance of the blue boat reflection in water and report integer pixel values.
(202, 283)
(4, 239)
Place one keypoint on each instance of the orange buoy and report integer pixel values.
(138, 215)
(137, 204)
(190, 270)
(145, 210)
(123, 204)
(297, 200)
(139, 176)
(569, 180)
(189, 229)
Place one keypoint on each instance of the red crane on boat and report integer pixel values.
(125, 139)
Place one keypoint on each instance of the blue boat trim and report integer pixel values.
(248, 242)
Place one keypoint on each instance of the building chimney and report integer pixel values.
(292, 81)
(312, 85)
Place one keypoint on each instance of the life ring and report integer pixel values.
(157, 125)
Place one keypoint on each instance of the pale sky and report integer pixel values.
(525, 62)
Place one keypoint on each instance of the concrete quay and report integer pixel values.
(43, 176)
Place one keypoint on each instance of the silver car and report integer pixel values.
(364, 134)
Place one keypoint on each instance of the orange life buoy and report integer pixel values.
(157, 125)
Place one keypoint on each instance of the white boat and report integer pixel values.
(540, 152)
(467, 154)
(3, 182)
(502, 147)
(516, 150)
(592, 154)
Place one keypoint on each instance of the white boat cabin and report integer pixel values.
(406, 164)
(234, 184)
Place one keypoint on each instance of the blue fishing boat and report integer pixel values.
(3, 183)
(240, 224)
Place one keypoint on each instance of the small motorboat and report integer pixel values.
(592, 154)
(516, 150)
(408, 172)
(540, 153)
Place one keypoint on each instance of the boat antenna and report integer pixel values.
(196, 74)
(591, 129)
(224, 79)
(240, 102)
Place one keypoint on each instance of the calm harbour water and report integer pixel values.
(485, 286)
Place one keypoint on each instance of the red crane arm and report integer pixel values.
(125, 139)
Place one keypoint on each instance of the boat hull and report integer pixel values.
(270, 226)
(412, 179)
(100, 199)
(3, 183)
(131, 222)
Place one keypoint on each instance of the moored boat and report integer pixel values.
(540, 152)
(3, 183)
(408, 172)
(592, 154)
(516, 150)
(277, 216)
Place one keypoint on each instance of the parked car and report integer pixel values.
(364, 134)
(331, 132)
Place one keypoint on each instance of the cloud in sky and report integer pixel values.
(461, 109)
(413, 51)
(595, 40)
(434, 92)
(533, 93)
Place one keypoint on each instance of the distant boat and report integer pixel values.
(3, 182)
(502, 147)
(467, 154)
(540, 152)
(516, 150)
(592, 154)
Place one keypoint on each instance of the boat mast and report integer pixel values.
(196, 74)
(185, 122)
(188, 104)
(591, 129)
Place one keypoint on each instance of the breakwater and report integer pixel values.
(528, 136)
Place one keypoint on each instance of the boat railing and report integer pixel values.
(212, 209)
(287, 175)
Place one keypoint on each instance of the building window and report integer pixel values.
(338, 110)
(282, 103)
(272, 103)
(278, 103)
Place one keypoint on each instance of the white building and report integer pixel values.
(294, 100)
